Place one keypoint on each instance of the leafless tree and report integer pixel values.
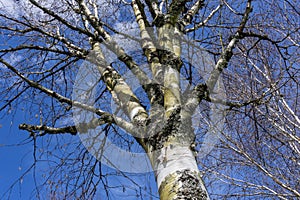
(207, 90)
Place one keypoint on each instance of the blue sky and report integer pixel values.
(17, 159)
(14, 158)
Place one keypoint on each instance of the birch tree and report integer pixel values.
(203, 94)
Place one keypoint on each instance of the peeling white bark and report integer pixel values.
(172, 159)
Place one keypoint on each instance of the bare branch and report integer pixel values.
(197, 26)
(202, 90)
(188, 17)
(48, 130)
(112, 45)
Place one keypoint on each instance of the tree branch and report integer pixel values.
(175, 9)
(113, 46)
(188, 17)
(227, 54)
(51, 93)
(186, 22)
(112, 118)
(75, 50)
(73, 130)
(48, 130)
(230, 104)
(118, 87)
(35, 47)
(202, 90)
(60, 19)
(153, 8)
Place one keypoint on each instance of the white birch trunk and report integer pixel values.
(177, 174)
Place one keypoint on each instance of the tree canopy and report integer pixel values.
(120, 95)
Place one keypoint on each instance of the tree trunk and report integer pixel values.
(177, 174)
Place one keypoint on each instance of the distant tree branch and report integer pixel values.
(153, 8)
(60, 19)
(189, 15)
(51, 71)
(187, 20)
(119, 121)
(262, 168)
(203, 90)
(35, 47)
(75, 50)
(231, 104)
(227, 53)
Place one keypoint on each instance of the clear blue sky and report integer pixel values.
(15, 159)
